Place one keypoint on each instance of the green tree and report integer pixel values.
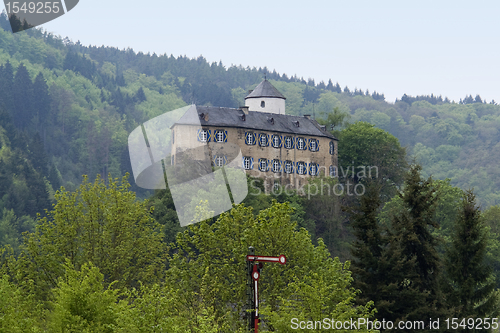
(374, 154)
(82, 303)
(98, 223)
(471, 283)
(157, 309)
(139, 95)
(412, 254)
(42, 98)
(491, 218)
(368, 246)
(6, 80)
(22, 91)
(336, 121)
(165, 214)
(208, 267)
(19, 312)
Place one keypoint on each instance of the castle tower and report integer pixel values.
(266, 98)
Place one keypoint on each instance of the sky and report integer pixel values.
(448, 48)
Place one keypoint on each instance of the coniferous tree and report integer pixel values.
(140, 96)
(413, 290)
(42, 98)
(470, 282)
(337, 88)
(6, 81)
(22, 92)
(368, 247)
(330, 85)
(38, 156)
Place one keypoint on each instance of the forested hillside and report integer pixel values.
(107, 256)
(84, 100)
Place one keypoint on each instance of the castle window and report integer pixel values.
(313, 144)
(301, 168)
(313, 169)
(332, 148)
(263, 164)
(263, 140)
(276, 141)
(276, 167)
(173, 136)
(250, 138)
(288, 142)
(301, 143)
(219, 161)
(247, 163)
(333, 171)
(288, 167)
(220, 136)
(276, 187)
(262, 104)
(203, 135)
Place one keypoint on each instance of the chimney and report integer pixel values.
(307, 116)
(244, 109)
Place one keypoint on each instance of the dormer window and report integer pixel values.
(262, 104)
(296, 123)
(271, 120)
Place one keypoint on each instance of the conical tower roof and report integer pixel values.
(265, 89)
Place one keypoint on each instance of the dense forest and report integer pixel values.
(78, 255)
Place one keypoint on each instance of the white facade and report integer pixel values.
(266, 104)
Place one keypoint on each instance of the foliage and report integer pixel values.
(99, 223)
(370, 154)
(368, 247)
(90, 86)
(413, 248)
(82, 303)
(208, 267)
(470, 280)
(19, 312)
(398, 265)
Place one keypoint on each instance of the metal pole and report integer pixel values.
(250, 291)
(254, 264)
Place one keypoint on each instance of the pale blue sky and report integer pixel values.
(450, 48)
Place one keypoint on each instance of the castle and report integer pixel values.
(281, 149)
